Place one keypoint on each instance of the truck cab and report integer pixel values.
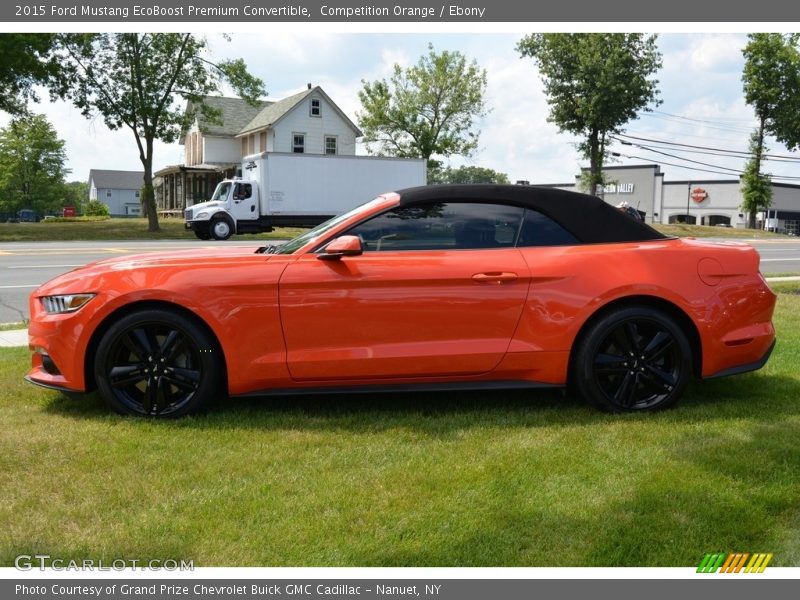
(232, 209)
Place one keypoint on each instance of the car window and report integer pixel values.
(441, 226)
(540, 230)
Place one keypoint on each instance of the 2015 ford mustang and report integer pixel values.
(437, 287)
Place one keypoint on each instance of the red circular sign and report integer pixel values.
(699, 194)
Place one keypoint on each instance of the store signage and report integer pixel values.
(699, 194)
(618, 188)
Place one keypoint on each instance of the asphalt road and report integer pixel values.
(26, 265)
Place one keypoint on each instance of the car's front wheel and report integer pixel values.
(633, 359)
(157, 363)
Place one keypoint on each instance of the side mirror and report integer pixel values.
(344, 245)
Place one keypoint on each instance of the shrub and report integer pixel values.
(95, 208)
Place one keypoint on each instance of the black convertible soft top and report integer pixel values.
(586, 217)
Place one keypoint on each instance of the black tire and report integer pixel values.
(202, 234)
(158, 363)
(221, 228)
(633, 360)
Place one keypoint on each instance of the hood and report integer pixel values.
(85, 277)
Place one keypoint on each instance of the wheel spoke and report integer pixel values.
(149, 397)
(625, 391)
(166, 348)
(144, 340)
(657, 346)
(180, 383)
(134, 347)
(666, 379)
(609, 363)
(161, 397)
(188, 375)
(123, 376)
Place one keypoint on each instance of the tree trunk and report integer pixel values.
(759, 151)
(595, 163)
(148, 194)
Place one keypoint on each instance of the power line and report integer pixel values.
(661, 112)
(745, 153)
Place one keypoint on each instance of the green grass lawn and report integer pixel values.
(467, 479)
(113, 229)
(705, 231)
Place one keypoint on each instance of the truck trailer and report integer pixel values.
(297, 190)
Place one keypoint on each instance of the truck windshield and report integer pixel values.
(222, 191)
(304, 238)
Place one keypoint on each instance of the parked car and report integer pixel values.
(27, 215)
(440, 287)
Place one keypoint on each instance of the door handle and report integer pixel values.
(496, 277)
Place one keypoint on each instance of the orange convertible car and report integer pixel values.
(437, 287)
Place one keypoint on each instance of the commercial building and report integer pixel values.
(695, 201)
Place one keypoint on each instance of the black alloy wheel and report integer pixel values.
(633, 359)
(157, 363)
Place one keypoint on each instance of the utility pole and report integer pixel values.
(688, 197)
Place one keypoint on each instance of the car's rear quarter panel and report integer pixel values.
(570, 284)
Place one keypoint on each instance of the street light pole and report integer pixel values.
(688, 197)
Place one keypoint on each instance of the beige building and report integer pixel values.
(308, 122)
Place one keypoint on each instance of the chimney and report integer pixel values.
(309, 85)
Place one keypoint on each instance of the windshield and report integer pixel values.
(222, 191)
(301, 240)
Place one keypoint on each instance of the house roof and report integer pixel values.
(116, 180)
(236, 113)
(240, 118)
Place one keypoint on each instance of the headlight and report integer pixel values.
(67, 303)
(201, 215)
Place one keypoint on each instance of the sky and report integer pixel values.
(700, 89)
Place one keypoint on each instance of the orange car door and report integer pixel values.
(402, 313)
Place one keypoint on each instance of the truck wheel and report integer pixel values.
(221, 228)
(202, 234)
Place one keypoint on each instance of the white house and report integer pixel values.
(308, 122)
(119, 190)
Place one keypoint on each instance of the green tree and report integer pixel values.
(756, 186)
(76, 193)
(27, 61)
(771, 81)
(142, 81)
(32, 167)
(426, 110)
(595, 83)
(467, 175)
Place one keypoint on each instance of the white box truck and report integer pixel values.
(297, 190)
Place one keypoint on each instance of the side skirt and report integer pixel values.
(404, 387)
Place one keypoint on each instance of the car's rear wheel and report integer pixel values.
(633, 359)
(221, 228)
(157, 363)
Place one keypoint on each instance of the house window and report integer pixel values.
(137, 194)
(262, 141)
(315, 108)
(108, 194)
(251, 144)
(244, 146)
(330, 144)
(298, 143)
